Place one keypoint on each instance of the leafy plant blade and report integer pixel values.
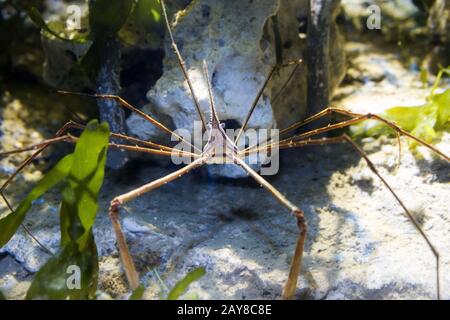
(106, 17)
(10, 223)
(144, 25)
(85, 179)
(36, 17)
(183, 284)
(54, 280)
(138, 293)
(422, 121)
(78, 210)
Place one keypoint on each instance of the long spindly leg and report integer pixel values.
(155, 149)
(34, 146)
(40, 149)
(140, 142)
(127, 260)
(284, 86)
(260, 92)
(138, 145)
(405, 209)
(347, 139)
(62, 136)
(297, 144)
(59, 136)
(160, 150)
(355, 118)
(317, 116)
(27, 230)
(182, 65)
(130, 107)
(291, 283)
(295, 126)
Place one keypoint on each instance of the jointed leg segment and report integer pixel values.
(405, 209)
(261, 90)
(128, 106)
(291, 283)
(182, 65)
(62, 135)
(59, 136)
(345, 138)
(355, 118)
(127, 260)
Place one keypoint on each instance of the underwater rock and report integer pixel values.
(240, 51)
(60, 58)
(211, 31)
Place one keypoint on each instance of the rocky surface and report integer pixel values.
(414, 25)
(209, 30)
(240, 51)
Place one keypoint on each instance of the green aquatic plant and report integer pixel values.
(424, 121)
(81, 174)
(181, 286)
(138, 293)
(178, 289)
(108, 27)
(126, 21)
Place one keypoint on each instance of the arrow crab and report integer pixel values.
(221, 149)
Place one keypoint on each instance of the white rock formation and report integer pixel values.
(240, 52)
